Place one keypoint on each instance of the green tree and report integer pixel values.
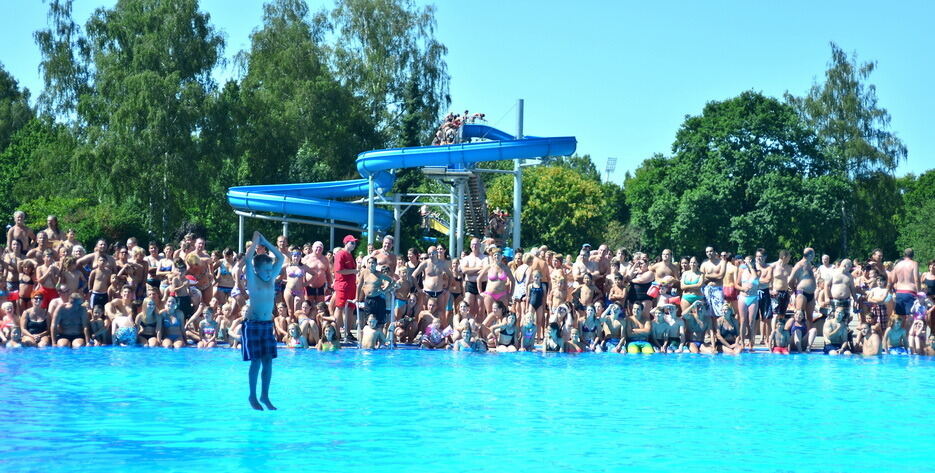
(747, 172)
(14, 107)
(66, 61)
(151, 76)
(918, 217)
(560, 209)
(853, 132)
(386, 52)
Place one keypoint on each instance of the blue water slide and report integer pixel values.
(315, 199)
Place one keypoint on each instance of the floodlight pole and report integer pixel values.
(517, 180)
(370, 206)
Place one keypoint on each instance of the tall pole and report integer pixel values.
(370, 211)
(396, 218)
(452, 220)
(460, 240)
(331, 236)
(240, 233)
(285, 228)
(517, 180)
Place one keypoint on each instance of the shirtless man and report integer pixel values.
(826, 270)
(602, 259)
(385, 255)
(842, 291)
(135, 270)
(99, 281)
(836, 333)
(540, 263)
(804, 276)
(42, 244)
(584, 265)
(876, 262)
(471, 266)
(779, 291)
(374, 287)
(122, 307)
(71, 326)
(258, 345)
(19, 231)
(434, 272)
(905, 282)
(713, 270)
(665, 267)
(48, 277)
(319, 273)
(52, 230)
(93, 259)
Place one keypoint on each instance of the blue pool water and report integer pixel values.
(407, 410)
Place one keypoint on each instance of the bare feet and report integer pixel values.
(254, 404)
(268, 404)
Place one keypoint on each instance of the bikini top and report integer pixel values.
(223, 270)
(171, 321)
(501, 276)
(165, 268)
(296, 273)
(693, 282)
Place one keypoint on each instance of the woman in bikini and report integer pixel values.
(691, 283)
(164, 268)
(27, 283)
(296, 280)
(499, 280)
(748, 300)
(506, 334)
(224, 275)
(150, 324)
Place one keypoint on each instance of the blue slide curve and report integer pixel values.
(314, 200)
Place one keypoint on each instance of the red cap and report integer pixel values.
(349, 238)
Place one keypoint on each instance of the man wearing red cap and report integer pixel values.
(345, 285)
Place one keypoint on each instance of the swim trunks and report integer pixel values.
(376, 306)
(257, 340)
(828, 347)
(315, 291)
(471, 287)
(904, 302)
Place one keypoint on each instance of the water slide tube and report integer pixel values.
(316, 199)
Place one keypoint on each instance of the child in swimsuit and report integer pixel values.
(468, 342)
(574, 344)
(100, 328)
(589, 328)
(295, 338)
(329, 340)
(798, 331)
(527, 341)
(553, 339)
(435, 337)
(208, 330)
(779, 340)
(124, 330)
(894, 340)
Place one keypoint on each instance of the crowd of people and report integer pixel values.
(447, 132)
(488, 298)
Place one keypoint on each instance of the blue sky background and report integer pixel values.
(621, 76)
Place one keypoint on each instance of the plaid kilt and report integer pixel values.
(257, 340)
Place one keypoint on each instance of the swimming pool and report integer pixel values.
(408, 410)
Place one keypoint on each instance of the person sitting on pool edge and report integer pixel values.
(468, 342)
(779, 340)
(257, 340)
(373, 336)
(638, 333)
(835, 331)
(894, 340)
(329, 340)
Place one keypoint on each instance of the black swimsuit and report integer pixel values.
(929, 287)
(34, 327)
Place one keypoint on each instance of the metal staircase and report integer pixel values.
(475, 206)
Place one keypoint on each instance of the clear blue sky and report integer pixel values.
(621, 76)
